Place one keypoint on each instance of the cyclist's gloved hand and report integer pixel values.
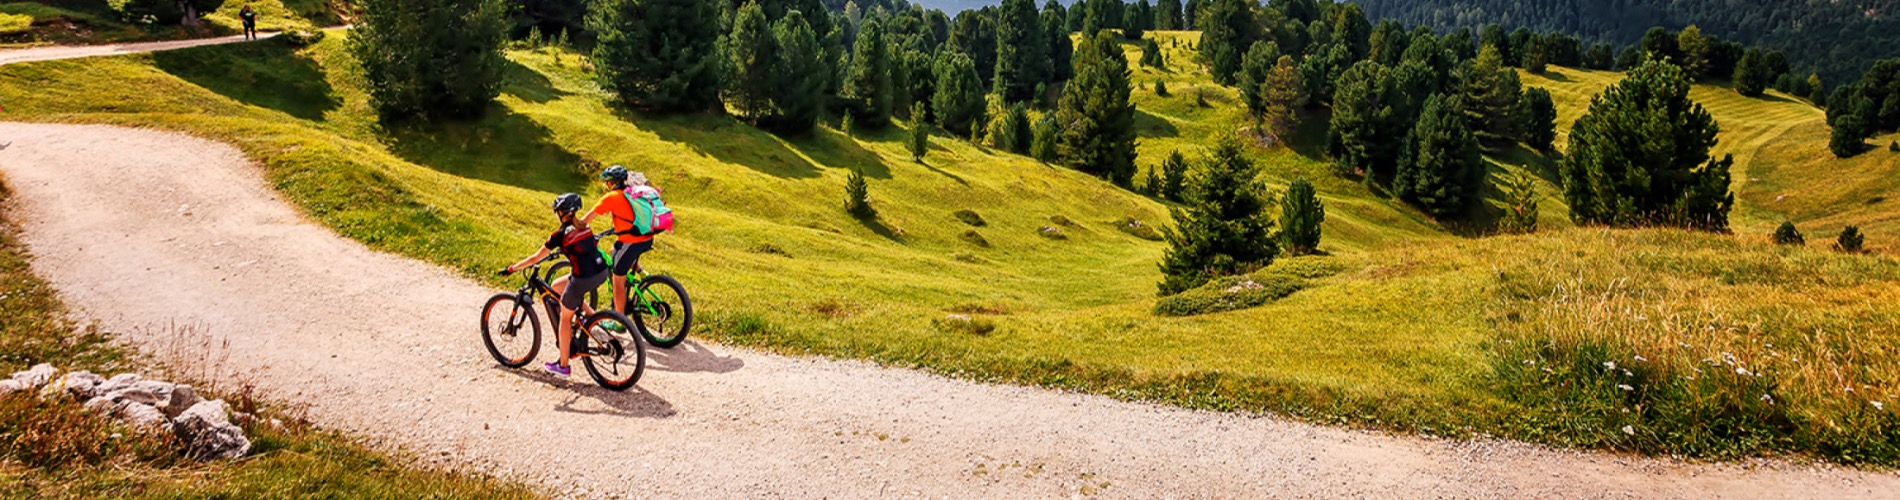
(504, 272)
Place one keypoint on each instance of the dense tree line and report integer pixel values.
(1837, 40)
(1865, 108)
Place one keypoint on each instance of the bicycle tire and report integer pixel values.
(665, 314)
(509, 330)
(616, 364)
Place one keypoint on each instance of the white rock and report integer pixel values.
(182, 398)
(10, 386)
(117, 382)
(208, 433)
(82, 384)
(37, 376)
(141, 416)
(133, 395)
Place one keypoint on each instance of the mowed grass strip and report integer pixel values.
(1406, 335)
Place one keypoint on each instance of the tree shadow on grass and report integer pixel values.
(528, 84)
(504, 148)
(724, 139)
(1149, 125)
(876, 225)
(267, 74)
(831, 148)
(1309, 135)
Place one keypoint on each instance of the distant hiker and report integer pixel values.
(250, 22)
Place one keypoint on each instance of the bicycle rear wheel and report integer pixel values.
(615, 357)
(662, 311)
(510, 330)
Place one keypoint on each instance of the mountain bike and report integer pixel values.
(657, 303)
(512, 331)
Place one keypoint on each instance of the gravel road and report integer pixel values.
(139, 229)
(53, 52)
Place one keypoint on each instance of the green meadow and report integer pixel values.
(1405, 323)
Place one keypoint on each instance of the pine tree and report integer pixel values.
(1174, 178)
(1356, 135)
(1301, 214)
(867, 89)
(1751, 73)
(1659, 45)
(1137, 20)
(1285, 95)
(1520, 205)
(1538, 57)
(1151, 55)
(1224, 229)
(919, 138)
(1022, 59)
(1640, 156)
(427, 59)
(1846, 138)
(752, 55)
(857, 196)
(1540, 119)
(1441, 164)
(1228, 30)
(1695, 52)
(1168, 15)
(974, 34)
(1009, 127)
(801, 75)
(959, 99)
(1254, 67)
(1061, 48)
(1097, 118)
(1042, 145)
(1103, 15)
(658, 54)
(1491, 95)
(1351, 28)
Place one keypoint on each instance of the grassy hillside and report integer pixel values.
(1406, 325)
(26, 23)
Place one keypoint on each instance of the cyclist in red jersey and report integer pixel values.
(628, 243)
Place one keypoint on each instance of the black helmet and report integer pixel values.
(614, 173)
(567, 202)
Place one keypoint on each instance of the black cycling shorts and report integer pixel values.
(577, 288)
(628, 254)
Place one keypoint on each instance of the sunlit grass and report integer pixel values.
(1407, 330)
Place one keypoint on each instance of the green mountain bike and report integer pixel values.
(656, 303)
(512, 332)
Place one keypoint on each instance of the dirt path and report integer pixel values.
(78, 51)
(141, 228)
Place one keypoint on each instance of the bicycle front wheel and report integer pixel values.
(510, 330)
(662, 310)
(614, 356)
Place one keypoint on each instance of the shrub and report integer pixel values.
(301, 38)
(1520, 205)
(1301, 214)
(1788, 235)
(1850, 240)
(975, 238)
(1161, 88)
(857, 193)
(57, 434)
(1894, 146)
(1228, 294)
(970, 217)
(1134, 227)
(1061, 221)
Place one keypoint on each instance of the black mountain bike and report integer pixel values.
(657, 303)
(614, 358)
